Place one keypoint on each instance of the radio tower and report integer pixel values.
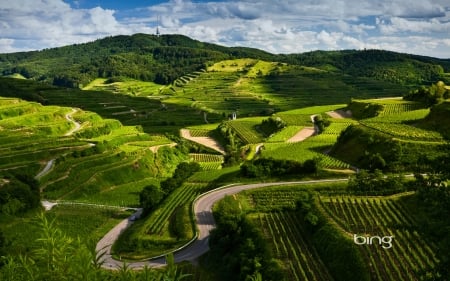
(157, 26)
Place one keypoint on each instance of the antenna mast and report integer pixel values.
(157, 26)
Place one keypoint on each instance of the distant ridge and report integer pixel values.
(164, 58)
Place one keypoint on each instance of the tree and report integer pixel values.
(150, 197)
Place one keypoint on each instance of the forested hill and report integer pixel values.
(162, 59)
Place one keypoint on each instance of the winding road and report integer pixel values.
(204, 220)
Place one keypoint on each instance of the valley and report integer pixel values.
(325, 153)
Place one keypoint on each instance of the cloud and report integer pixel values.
(53, 23)
(399, 25)
(282, 26)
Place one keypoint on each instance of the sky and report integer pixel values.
(278, 26)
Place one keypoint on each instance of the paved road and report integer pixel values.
(205, 223)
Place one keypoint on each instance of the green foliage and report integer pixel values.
(378, 64)
(272, 125)
(438, 119)
(183, 171)
(375, 183)
(369, 149)
(336, 250)
(340, 254)
(432, 201)
(56, 256)
(321, 122)
(362, 109)
(146, 57)
(269, 167)
(150, 197)
(180, 225)
(238, 250)
(434, 94)
(18, 194)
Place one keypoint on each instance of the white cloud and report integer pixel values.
(282, 26)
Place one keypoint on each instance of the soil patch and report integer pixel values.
(206, 141)
(302, 135)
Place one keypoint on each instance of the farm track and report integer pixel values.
(46, 169)
(302, 135)
(155, 148)
(70, 119)
(305, 133)
(206, 141)
(204, 220)
(339, 114)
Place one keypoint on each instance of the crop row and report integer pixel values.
(159, 219)
(308, 149)
(295, 119)
(74, 173)
(335, 128)
(408, 116)
(199, 133)
(246, 131)
(405, 131)
(285, 134)
(396, 108)
(409, 254)
(205, 157)
(290, 245)
(208, 166)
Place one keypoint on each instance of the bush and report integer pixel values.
(375, 183)
(272, 125)
(150, 197)
(337, 251)
(267, 167)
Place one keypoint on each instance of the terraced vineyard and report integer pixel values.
(405, 132)
(410, 255)
(311, 148)
(298, 255)
(207, 161)
(31, 133)
(154, 235)
(246, 130)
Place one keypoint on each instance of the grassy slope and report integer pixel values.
(400, 125)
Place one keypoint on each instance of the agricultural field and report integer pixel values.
(408, 255)
(398, 118)
(126, 86)
(207, 161)
(107, 143)
(314, 147)
(160, 233)
(273, 211)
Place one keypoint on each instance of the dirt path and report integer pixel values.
(206, 141)
(302, 135)
(46, 169)
(70, 119)
(155, 148)
(339, 114)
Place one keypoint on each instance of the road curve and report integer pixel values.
(204, 221)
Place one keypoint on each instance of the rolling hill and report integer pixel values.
(162, 59)
(96, 127)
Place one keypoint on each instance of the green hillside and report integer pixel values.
(163, 59)
(103, 128)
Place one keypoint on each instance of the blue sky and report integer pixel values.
(278, 26)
